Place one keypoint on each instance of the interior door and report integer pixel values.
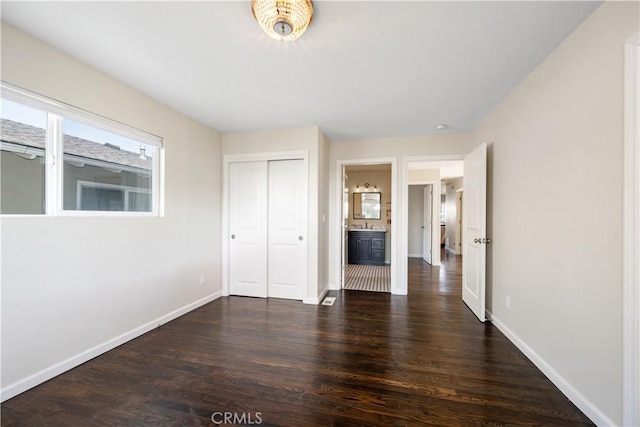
(474, 221)
(248, 229)
(427, 223)
(287, 236)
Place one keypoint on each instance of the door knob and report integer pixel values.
(300, 238)
(233, 236)
(482, 241)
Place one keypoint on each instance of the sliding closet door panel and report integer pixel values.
(248, 188)
(287, 236)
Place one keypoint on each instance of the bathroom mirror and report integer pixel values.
(366, 205)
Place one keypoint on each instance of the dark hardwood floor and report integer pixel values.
(371, 359)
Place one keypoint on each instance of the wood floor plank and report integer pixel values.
(371, 359)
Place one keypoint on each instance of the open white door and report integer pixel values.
(427, 223)
(474, 223)
(248, 229)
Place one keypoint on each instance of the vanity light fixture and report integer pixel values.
(366, 186)
(283, 19)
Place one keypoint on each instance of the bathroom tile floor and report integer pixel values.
(375, 278)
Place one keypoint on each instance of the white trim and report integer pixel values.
(572, 393)
(398, 287)
(631, 238)
(35, 100)
(59, 368)
(415, 256)
(224, 241)
(53, 173)
(316, 300)
(266, 156)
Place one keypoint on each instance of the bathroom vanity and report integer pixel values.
(366, 247)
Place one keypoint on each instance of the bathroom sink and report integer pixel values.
(366, 229)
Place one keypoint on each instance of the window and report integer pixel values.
(94, 196)
(106, 166)
(101, 157)
(22, 159)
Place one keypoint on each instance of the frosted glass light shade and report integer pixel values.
(283, 19)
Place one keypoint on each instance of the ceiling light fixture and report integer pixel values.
(441, 127)
(283, 19)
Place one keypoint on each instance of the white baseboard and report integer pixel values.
(578, 399)
(59, 368)
(415, 255)
(316, 300)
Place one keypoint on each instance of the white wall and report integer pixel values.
(323, 215)
(74, 287)
(311, 140)
(441, 147)
(555, 198)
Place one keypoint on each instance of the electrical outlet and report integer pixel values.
(507, 303)
(202, 279)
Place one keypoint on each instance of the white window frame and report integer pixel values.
(57, 111)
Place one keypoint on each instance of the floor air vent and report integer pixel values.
(329, 301)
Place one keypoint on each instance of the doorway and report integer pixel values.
(423, 222)
(366, 209)
(452, 194)
(421, 171)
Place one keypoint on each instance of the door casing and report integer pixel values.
(631, 236)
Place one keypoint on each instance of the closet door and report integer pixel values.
(248, 229)
(287, 236)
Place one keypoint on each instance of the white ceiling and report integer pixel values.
(364, 69)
